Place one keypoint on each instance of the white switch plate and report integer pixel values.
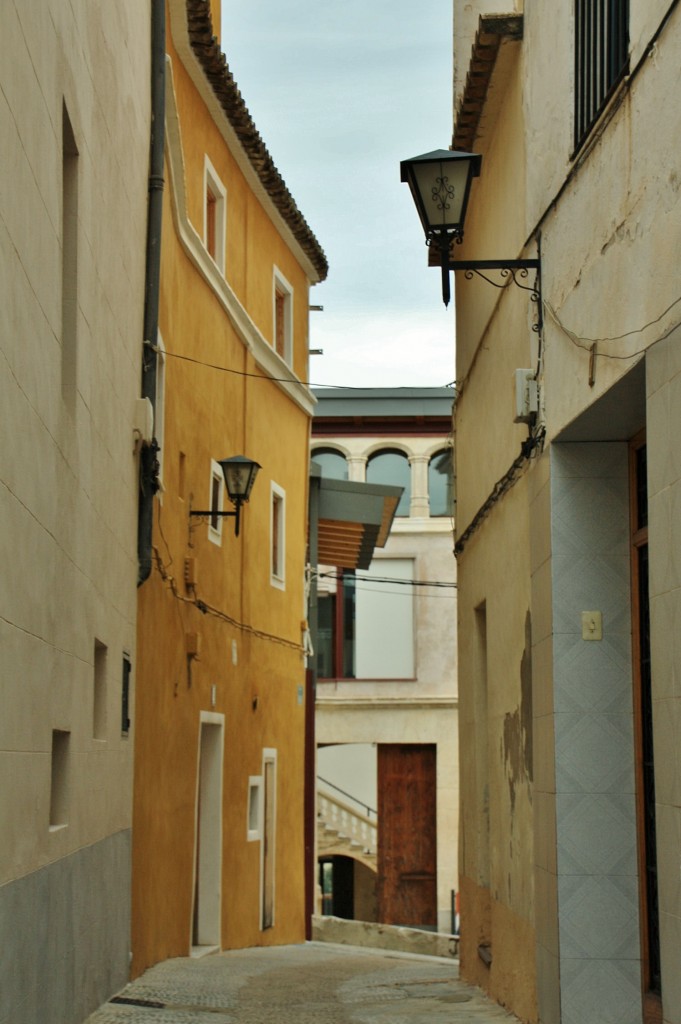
(592, 626)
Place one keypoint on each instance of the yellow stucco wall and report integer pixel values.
(250, 669)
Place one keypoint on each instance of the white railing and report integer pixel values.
(348, 822)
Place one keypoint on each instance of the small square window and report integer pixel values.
(99, 694)
(60, 781)
(214, 215)
(254, 827)
(217, 489)
(282, 317)
(125, 695)
(278, 536)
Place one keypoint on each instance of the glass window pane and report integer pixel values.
(326, 634)
(385, 620)
(391, 467)
(440, 483)
(348, 625)
(333, 463)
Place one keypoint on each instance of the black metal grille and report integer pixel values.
(601, 57)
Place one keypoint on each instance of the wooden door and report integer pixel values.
(407, 892)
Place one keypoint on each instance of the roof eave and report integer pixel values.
(213, 63)
(493, 29)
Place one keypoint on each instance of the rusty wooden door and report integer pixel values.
(407, 893)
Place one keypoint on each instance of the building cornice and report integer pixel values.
(383, 426)
(493, 29)
(383, 703)
(199, 49)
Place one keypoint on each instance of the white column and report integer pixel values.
(419, 485)
(357, 467)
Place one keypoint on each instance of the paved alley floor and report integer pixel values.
(313, 983)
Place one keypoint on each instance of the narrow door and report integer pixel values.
(643, 717)
(269, 785)
(208, 838)
(407, 889)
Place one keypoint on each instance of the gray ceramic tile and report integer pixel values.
(591, 582)
(594, 753)
(598, 459)
(668, 825)
(596, 834)
(592, 676)
(670, 938)
(600, 991)
(598, 917)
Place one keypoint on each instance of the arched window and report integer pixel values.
(333, 463)
(392, 467)
(441, 483)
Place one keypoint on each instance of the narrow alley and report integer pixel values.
(313, 983)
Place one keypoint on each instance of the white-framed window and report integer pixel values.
(367, 623)
(282, 316)
(160, 406)
(214, 215)
(277, 536)
(215, 500)
(254, 811)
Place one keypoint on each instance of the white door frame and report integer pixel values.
(205, 924)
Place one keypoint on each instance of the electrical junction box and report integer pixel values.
(192, 644)
(526, 396)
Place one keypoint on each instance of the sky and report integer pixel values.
(341, 93)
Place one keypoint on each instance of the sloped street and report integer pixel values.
(314, 983)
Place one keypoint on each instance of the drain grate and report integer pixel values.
(152, 1004)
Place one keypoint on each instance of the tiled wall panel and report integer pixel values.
(594, 746)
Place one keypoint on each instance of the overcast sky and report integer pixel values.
(340, 93)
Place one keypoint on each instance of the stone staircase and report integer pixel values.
(344, 830)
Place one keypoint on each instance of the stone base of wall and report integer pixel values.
(384, 936)
(65, 935)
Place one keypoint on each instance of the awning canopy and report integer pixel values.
(353, 519)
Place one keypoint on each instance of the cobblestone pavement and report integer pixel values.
(313, 983)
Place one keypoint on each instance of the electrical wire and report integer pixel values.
(388, 579)
(395, 593)
(207, 609)
(587, 343)
(301, 383)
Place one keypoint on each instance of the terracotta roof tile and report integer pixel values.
(216, 69)
(492, 28)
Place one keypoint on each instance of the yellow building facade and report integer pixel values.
(218, 847)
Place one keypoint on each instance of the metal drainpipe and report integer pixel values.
(148, 470)
(310, 779)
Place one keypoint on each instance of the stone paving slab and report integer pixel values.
(312, 983)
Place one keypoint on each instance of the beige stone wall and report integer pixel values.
(68, 493)
(610, 220)
(68, 464)
(664, 412)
